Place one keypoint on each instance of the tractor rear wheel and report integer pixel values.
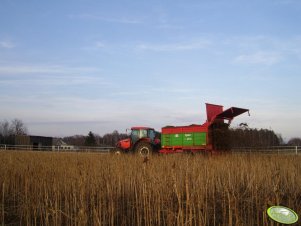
(144, 149)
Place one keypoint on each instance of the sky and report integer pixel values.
(70, 67)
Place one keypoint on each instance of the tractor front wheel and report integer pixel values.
(144, 149)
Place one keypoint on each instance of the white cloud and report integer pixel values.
(44, 69)
(95, 46)
(50, 75)
(286, 2)
(265, 50)
(99, 44)
(7, 44)
(175, 46)
(260, 57)
(111, 19)
(73, 110)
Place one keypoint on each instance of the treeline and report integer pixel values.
(16, 127)
(92, 139)
(242, 136)
(237, 137)
(248, 137)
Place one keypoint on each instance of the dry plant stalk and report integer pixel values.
(44, 188)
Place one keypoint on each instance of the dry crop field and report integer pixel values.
(44, 188)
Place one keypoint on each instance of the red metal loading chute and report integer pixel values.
(215, 112)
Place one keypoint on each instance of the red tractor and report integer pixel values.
(142, 140)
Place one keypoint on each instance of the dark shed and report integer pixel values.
(35, 141)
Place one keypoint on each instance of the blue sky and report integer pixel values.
(68, 67)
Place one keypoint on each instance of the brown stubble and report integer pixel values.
(45, 188)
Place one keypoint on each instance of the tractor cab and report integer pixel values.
(141, 139)
(138, 133)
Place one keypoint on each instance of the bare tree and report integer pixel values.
(296, 141)
(5, 129)
(78, 140)
(18, 127)
(10, 129)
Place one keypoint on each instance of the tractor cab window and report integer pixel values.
(135, 134)
(138, 134)
(143, 133)
(151, 134)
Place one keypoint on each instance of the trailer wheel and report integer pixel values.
(144, 149)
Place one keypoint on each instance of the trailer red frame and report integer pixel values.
(215, 115)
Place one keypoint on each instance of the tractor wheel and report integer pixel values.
(144, 149)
